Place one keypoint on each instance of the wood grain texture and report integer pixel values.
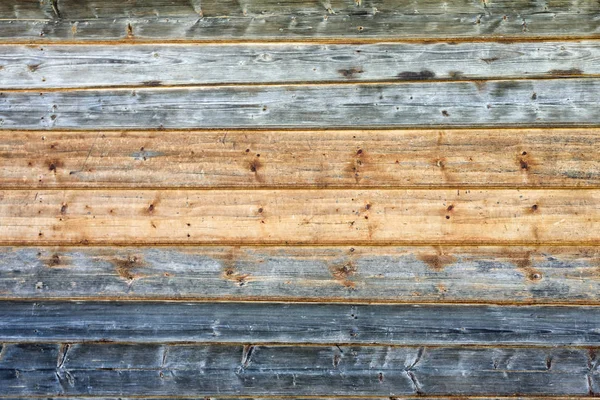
(517, 275)
(310, 159)
(271, 19)
(61, 66)
(230, 322)
(116, 369)
(325, 216)
(349, 397)
(467, 103)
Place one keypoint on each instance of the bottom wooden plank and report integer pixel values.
(119, 369)
(403, 324)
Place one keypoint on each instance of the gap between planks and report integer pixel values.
(292, 84)
(304, 397)
(467, 346)
(339, 40)
(308, 301)
(303, 129)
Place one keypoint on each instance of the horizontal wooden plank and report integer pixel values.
(420, 397)
(325, 216)
(55, 66)
(114, 369)
(465, 103)
(230, 322)
(352, 274)
(273, 19)
(367, 159)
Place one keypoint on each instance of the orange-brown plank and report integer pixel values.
(242, 159)
(299, 216)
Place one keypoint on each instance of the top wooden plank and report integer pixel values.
(209, 20)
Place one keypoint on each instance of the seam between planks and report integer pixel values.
(301, 344)
(329, 83)
(349, 243)
(361, 188)
(341, 397)
(305, 300)
(361, 128)
(30, 243)
(324, 40)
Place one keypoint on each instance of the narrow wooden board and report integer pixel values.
(466, 103)
(409, 397)
(272, 19)
(308, 159)
(133, 217)
(60, 66)
(230, 322)
(519, 275)
(117, 369)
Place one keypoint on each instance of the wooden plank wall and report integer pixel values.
(333, 199)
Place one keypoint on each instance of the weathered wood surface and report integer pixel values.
(370, 397)
(351, 397)
(134, 217)
(215, 159)
(117, 369)
(56, 66)
(465, 103)
(268, 230)
(272, 19)
(353, 274)
(230, 322)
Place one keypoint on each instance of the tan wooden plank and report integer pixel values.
(503, 216)
(88, 20)
(69, 66)
(241, 159)
(519, 275)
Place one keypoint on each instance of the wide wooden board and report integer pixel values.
(518, 275)
(76, 20)
(353, 217)
(305, 159)
(192, 370)
(230, 322)
(68, 66)
(501, 103)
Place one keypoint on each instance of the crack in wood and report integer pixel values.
(247, 353)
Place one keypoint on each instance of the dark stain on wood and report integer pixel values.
(416, 76)
(524, 265)
(231, 274)
(343, 271)
(152, 83)
(54, 164)
(456, 75)
(56, 260)
(489, 60)
(125, 267)
(525, 161)
(438, 261)
(565, 72)
(357, 164)
(350, 72)
(230, 260)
